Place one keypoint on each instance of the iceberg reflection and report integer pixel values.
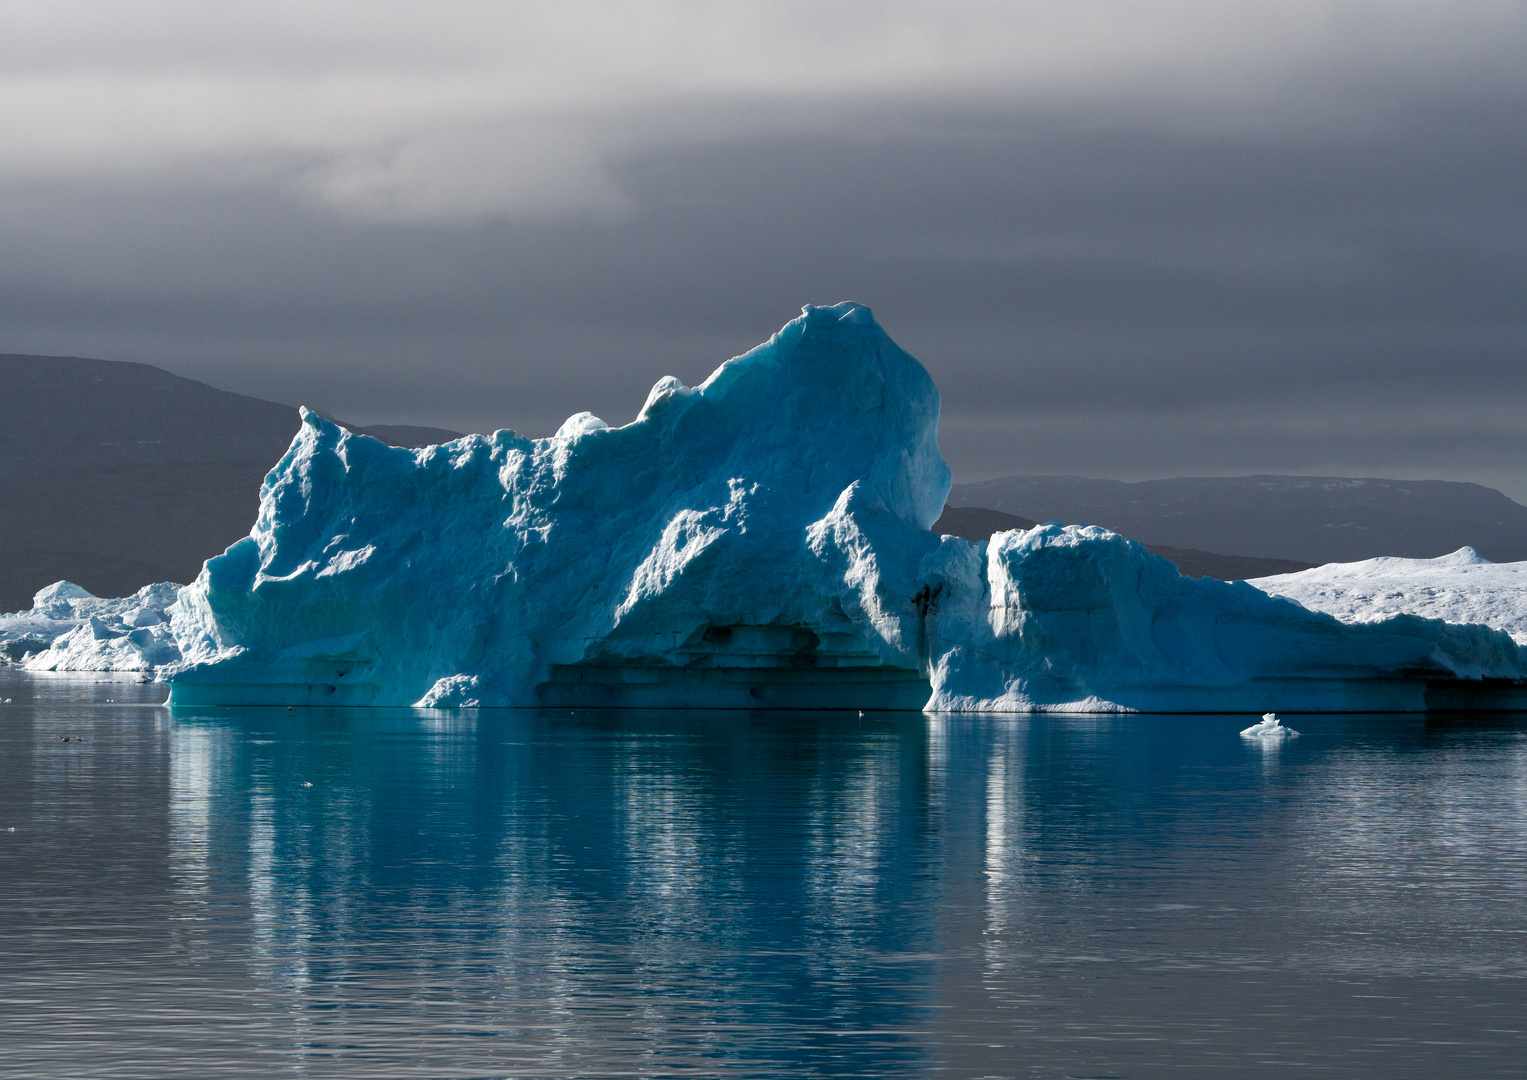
(561, 893)
(689, 877)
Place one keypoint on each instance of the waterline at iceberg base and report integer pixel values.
(758, 541)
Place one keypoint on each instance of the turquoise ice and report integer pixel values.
(760, 540)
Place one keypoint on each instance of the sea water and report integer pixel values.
(261, 892)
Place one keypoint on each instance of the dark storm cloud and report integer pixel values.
(1329, 278)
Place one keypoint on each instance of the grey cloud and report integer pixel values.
(1097, 288)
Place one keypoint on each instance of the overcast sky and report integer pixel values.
(1128, 239)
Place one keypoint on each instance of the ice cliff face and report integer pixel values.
(759, 540)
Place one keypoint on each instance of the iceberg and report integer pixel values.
(721, 549)
(70, 629)
(99, 645)
(1270, 727)
(1463, 587)
(759, 540)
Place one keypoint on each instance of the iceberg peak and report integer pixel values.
(579, 424)
(60, 592)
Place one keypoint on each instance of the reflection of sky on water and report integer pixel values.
(554, 894)
(1424, 872)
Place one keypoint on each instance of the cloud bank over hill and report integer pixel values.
(1128, 239)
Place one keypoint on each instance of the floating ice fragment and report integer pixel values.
(452, 692)
(1269, 728)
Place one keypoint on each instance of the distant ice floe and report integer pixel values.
(69, 629)
(1270, 727)
(1459, 588)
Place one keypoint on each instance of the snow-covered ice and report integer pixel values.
(1269, 727)
(758, 540)
(1459, 588)
(69, 629)
(98, 645)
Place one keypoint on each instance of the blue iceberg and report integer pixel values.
(759, 541)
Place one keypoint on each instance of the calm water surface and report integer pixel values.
(389, 893)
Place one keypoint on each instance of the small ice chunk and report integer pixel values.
(451, 692)
(1270, 727)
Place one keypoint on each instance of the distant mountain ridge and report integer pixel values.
(411, 435)
(978, 523)
(115, 475)
(1309, 519)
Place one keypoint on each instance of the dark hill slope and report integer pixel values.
(1310, 519)
(114, 475)
(977, 523)
(410, 435)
